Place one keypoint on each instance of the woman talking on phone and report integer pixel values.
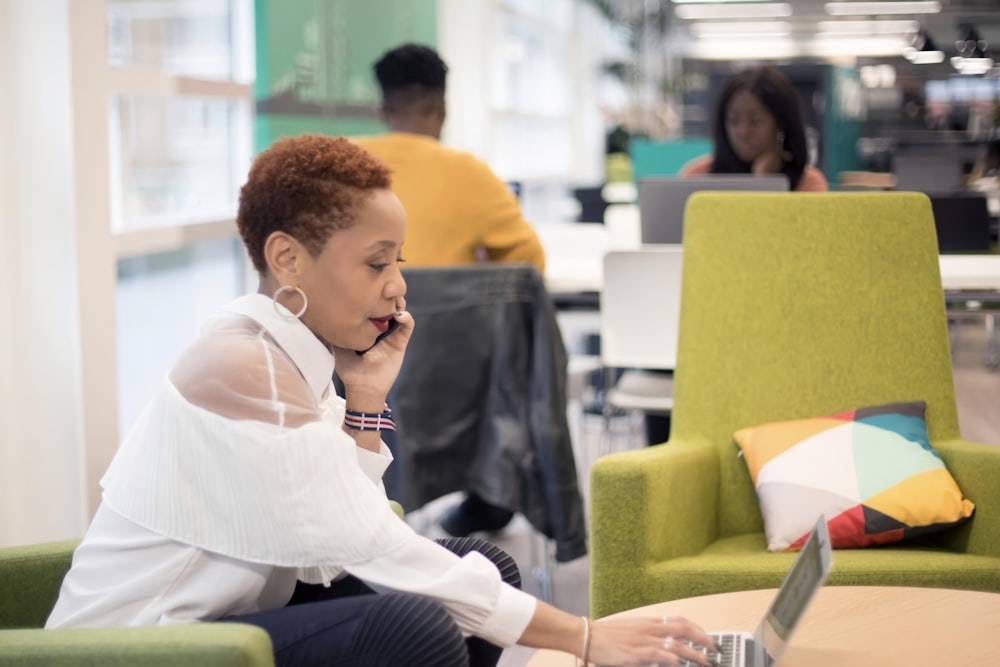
(757, 128)
(249, 491)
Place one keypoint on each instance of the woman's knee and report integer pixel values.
(413, 630)
(507, 566)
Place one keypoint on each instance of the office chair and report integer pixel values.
(480, 401)
(640, 311)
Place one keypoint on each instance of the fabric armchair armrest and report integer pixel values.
(397, 508)
(215, 644)
(647, 506)
(976, 469)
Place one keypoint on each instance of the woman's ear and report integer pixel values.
(283, 254)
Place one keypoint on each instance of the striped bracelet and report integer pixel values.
(369, 421)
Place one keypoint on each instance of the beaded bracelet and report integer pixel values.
(369, 421)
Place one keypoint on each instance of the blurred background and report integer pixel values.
(127, 127)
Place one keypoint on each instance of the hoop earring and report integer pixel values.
(785, 154)
(290, 288)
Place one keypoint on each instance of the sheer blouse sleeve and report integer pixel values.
(237, 371)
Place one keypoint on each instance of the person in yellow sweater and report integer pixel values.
(457, 210)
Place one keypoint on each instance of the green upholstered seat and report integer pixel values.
(793, 306)
(30, 577)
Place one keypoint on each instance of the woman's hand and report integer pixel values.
(368, 377)
(769, 162)
(634, 641)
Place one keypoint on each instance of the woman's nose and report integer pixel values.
(396, 287)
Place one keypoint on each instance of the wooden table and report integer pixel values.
(857, 626)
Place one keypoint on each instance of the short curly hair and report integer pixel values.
(308, 186)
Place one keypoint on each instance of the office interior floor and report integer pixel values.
(977, 388)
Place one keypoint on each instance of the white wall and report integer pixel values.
(42, 484)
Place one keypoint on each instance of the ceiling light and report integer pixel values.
(743, 47)
(922, 50)
(972, 65)
(926, 57)
(872, 8)
(734, 11)
(706, 2)
(863, 27)
(973, 52)
(830, 45)
(724, 28)
(970, 44)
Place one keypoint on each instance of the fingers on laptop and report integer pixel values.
(686, 643)
(685, 654)
(639, 641)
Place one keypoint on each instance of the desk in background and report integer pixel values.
(574, 262)
(574, 256)
(973, 280)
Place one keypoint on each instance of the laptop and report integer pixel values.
(767, 644)
(662, 200)
(962, 222)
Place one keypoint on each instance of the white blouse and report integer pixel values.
(238, 480)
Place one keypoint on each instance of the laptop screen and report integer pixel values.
(805, 577)
(662, 200)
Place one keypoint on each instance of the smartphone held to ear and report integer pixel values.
(393, 325)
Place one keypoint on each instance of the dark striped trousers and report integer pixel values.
(347, 624)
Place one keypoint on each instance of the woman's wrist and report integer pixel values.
(369, 421)
(364, 401)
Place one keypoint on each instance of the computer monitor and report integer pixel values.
(962, 222)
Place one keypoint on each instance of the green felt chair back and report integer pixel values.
(802, 304)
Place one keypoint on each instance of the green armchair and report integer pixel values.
(30, 577)
(793, 306)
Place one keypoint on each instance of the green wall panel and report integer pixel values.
(314, 61)
(665, 158)
(843, 122)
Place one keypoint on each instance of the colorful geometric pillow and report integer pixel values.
(872, 472)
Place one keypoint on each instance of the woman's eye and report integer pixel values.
(378, 267)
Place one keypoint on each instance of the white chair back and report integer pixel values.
(640, 307)
(622, 224)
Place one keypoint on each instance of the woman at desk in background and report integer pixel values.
(250, 492)
(757, 128)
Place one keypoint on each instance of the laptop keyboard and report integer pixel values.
(732, 649)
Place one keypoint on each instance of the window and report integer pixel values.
(180, 143)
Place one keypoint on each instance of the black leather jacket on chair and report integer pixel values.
(480, 403)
